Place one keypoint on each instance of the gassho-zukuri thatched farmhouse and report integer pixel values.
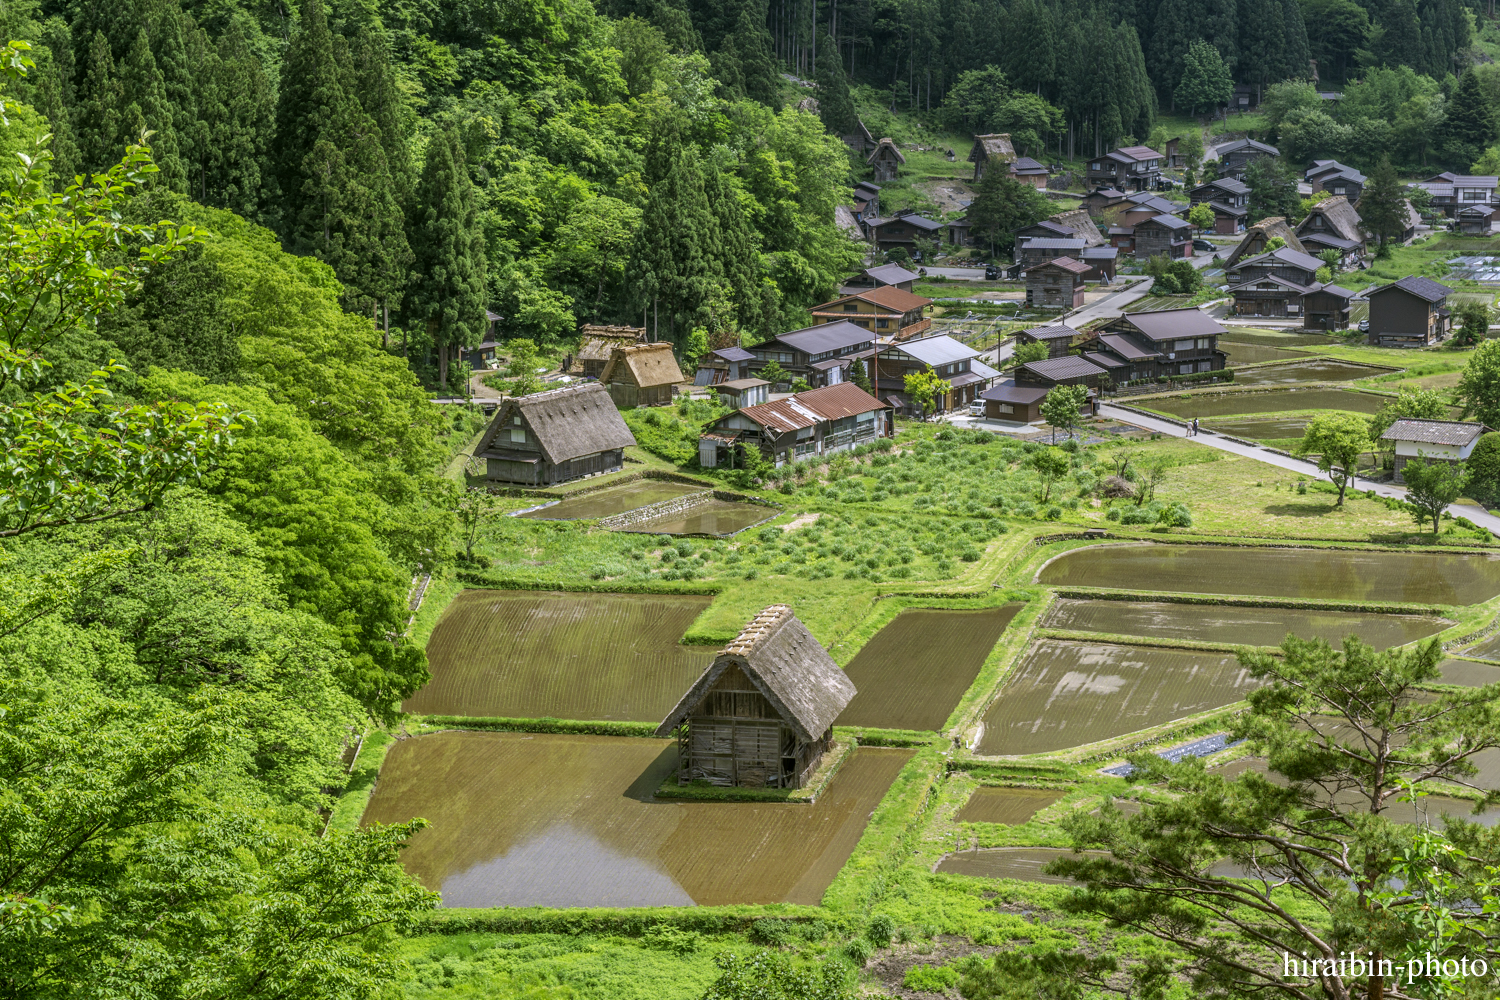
(553, 436)
(761, 715)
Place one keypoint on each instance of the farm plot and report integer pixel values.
(522, 820)
(532, 654)
(1276, 401)
(1253, 354)
(1489, 649)
(1321, 370)
(1065, 694)
(1467, 673)
(1021, 863)
(1328, 574)
(615, 500)
(915, 670)
(1251, 626)
(715, 517)
(1426, 809)
(1011, 806)
(1261, 430)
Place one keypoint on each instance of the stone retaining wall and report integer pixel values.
(661, 508)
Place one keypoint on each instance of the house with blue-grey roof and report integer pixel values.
(1411, 312)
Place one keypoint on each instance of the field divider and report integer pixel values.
(1200, 724)
(626, 921)
(1014, 641)
(1156, 642)
(581, 727)
(1242, 601)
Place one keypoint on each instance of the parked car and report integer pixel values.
(991, 272)
(1203, 246)
(1364, 326)
(976, 408)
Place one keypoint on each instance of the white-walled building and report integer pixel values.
(1432, 440)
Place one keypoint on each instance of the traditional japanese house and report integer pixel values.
(1230, 200)
(1163, 234)
(723, 365)
(1333, 224)
(1411, 312)
(1336, 178)
(815, 351)
(1432, 441)
(1474, 220)
(1082, 224)
(1039, 250)
(1152, 344)
(817, 422)
(1451, 192)
(1143, 205)
(876, 277)
(1047, 229)
(1243, 98)
(1019, 403)
(761, 715)
(1069, 370)
(1057, 337)
(958, 231)
(742, 392)
(1235, 157)
(597, 343)
(643, 375)
(886, 311)
(1101, 262)
(1273, 283)
(992, 147)
(903, 230)
(1326, 308)
(951, 360)
(1031, 173)
(1175, 159)
(885, 161)
(1259, 235)
(1130, 168)
(553, 436)
(1098, 201)
(1058, 283)
(860, 140)
(866, 200)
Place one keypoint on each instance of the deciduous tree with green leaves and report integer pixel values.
(1484, 470)
(1432, 486)
(1201, 215)
(1051, 464)
(1337, 439)
(1003, 204)
(1479, 386)
(1206, 82)
(1474, 324)
(1024, 354)
(1061, 405)
(926, 389)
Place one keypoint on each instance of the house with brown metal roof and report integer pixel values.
(1100, 200)
(1163, 234)
(805, 424)
(886, 311)
(1235, 157)
(643, 375)
(1326, 307)
(1056, 284)
(1129, 168)
(885, 160)
(761, 715)
(1172, 341)
(1432, 441)
(995, 147)
(1020, 404)
(1070, 370)
(1411, 312)
(1336, 178)
(553, 436)
(817, 353)
(1031, 173)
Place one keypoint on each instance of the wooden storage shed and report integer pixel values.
(761, 715)
(643, 375)
(597, 343)
(549, 437)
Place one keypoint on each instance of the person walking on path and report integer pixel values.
(1195, 427)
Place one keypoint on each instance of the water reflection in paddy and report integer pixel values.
(1326, 574)
(1251, 626)
(551, 820)
(716, 517)
(1066, 694)
(1276, 401)
(614, 500)
(1011, 806)
(1321, 370)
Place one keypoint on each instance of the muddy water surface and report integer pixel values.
(1260, 430)
(1011, 806)
(1251, 626)
(1325, 574)
(716, 517)
(529, 654)
(1322, 370)
(1065, 694)
(541, 820)
(615, 500)
(1266, 402)
(1254, 354)
(1022, 863)
(1489, 649)
(1467, 673)
(913, 672)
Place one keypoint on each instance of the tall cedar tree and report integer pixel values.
(1273, 190)
(239, 117)
(1205, 83)
(739, 261)
(54, 100)
(375, 86)
(98, 123)
(748, 66)
(1468, 124)
(144, 93)
(313, 110)
(446, 296)
(1382, 206)
(835, 103)
(673, 261)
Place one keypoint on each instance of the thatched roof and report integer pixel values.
(644, 365)
(598, 342)
(568, 423)
(1263, 232)
(886, 144)
(992, 147)
(787, 665)
(1081, 223)
(1339, 217)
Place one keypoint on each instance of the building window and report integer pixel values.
(850, 307)
(880, 324)
(517, 435)
(1204, 343)
(1183, 345)
(1184, 369)
(1204, 366)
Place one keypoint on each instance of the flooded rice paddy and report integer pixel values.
(1325, 574)
(716, 517)
(1276, 401)
(1254, 354)
(1489, 649)
(1064, 694)
(1467, 673)
(1260, 430)
(614, 500)
(544, 820)
(1022, 863)
(913, 672)
(1250, 626)
(532, 654)
(1321, 370)
(1011, 806)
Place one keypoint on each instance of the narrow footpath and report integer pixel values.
(1477, 515)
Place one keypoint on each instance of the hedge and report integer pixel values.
(1222, 375)
(545, 725)
(633, 922)
(488, 582)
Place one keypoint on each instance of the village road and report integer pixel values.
(1108, 308)
(1209, 439)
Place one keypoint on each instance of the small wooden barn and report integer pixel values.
(761, 715)
(597, 343)
(642, 375)
(553, 436)
(997, 147)
(885, 161)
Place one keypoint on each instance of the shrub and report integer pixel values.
(1054, 513)
(930, 978)
(882, 928)
(1113, 514)
(859, 951)
(665, 937)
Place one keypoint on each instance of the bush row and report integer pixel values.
(635, 922)
(1223, 375)
(489, 582)
(579, 726)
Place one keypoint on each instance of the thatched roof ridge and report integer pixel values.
(886, 143)
(787, 665)
(992, 147)
(1267, 229)
(645, 365)
(568, 423)
(1341, 216)
(1081, 223)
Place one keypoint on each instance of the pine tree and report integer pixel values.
(1382, 206)
(1205, 82)
(446, 296)
(835, 103)
(144, 97)
(98, 126)
(1468, 124)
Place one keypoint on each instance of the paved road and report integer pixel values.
(1206, 437)
(957, 273)
(1107, 308)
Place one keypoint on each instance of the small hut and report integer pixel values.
(995, 147)
(553, 436)
(597, 343)
(761, 715)
(886, 159)
(643, 375)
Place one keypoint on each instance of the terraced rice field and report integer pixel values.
(1261, 430)
(1276, 401)
(1467, 673)
(716, 517)
(1321, 370)
(534, 654)
(523, 820)
(1428, 808)
(615, 500)
(1011, 806)
(1328, 574)
(1065, 694)
(913, 672)
(1022, 863)
(1250, 626)
(1489, 649)
(1254, 354)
